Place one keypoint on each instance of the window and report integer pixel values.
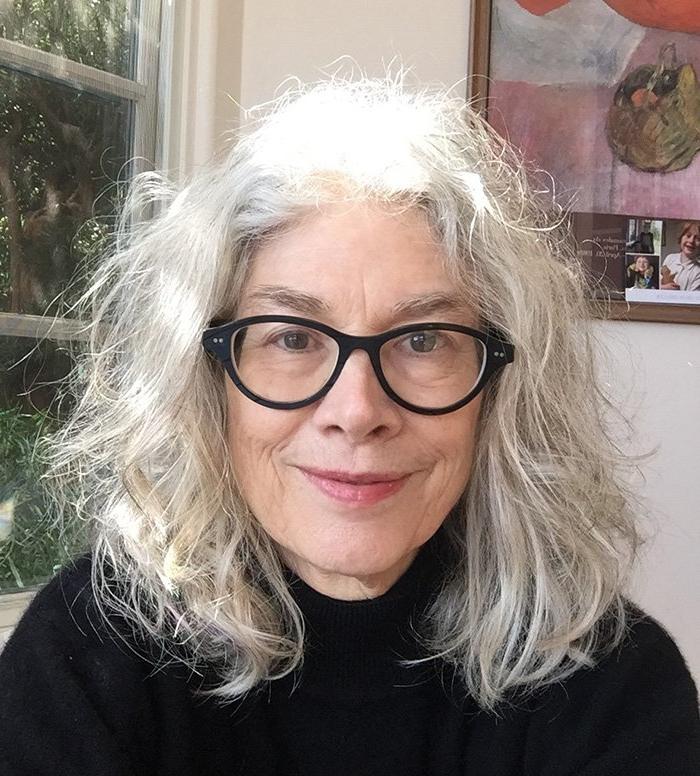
(78, 85)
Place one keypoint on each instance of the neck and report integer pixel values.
(349, 587)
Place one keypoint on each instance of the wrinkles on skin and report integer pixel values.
(362, 264)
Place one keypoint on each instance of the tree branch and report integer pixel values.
(12, 212)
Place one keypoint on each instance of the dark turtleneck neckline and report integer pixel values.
(354, 649)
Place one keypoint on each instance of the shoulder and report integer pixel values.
(64, 607)
(644, 671)
(634, 711)
(63, 670)
(646, 644)
(69, 589)
(63, 630)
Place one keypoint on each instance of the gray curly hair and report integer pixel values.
(543, 535)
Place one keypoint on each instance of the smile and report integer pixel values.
(361, 489)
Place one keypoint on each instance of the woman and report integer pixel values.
(681, 271)
(354, 506)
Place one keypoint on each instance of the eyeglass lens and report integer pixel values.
(283, 362)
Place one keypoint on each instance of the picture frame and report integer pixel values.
(624, 211)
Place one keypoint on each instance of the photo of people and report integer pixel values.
(642, 271)
(671, 273)
(644, 235)
(680, 270)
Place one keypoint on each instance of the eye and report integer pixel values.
(295, 340)
(424, 341)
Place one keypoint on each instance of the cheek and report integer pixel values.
(256, 434)
(452, 444)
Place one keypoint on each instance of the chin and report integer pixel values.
(355, 566)
(352, 561)
(357, 554)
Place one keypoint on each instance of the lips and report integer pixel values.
(360, 488)
(355, 478)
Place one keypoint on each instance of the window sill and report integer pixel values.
(12, 606)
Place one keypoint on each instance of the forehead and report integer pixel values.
(352, 258)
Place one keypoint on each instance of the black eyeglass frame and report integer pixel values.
(217, 341)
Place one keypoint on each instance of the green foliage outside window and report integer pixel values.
(93, 32)
(61, 149)
(62, 152)
(31, 544)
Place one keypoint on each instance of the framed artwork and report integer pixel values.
(605, 96)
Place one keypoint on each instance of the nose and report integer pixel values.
(357, 406)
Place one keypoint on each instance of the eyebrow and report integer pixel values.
(307, 304)
(424, 306)
(430, 305)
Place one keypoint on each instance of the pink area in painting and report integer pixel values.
(561, 128)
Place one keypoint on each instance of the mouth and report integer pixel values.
(359, 488)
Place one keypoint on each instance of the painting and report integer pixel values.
(604, 95)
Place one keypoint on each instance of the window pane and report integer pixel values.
(61, 151)
(99, 33)
(30, 547)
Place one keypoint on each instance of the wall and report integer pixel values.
(653, 370)
(302, 37)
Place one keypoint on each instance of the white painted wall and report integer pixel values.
(653, 369)
(653, 373)
(303, 37)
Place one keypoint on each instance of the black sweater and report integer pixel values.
(73, 700)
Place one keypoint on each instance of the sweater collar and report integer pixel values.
(354, 649)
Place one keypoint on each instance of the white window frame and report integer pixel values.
(154, 21)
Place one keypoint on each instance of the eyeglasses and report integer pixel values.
(285, 362)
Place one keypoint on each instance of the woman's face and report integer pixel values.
(362, 270)
(690, 242)
(642, 264)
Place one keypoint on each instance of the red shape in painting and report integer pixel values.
(541, 7)
(675, 15)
